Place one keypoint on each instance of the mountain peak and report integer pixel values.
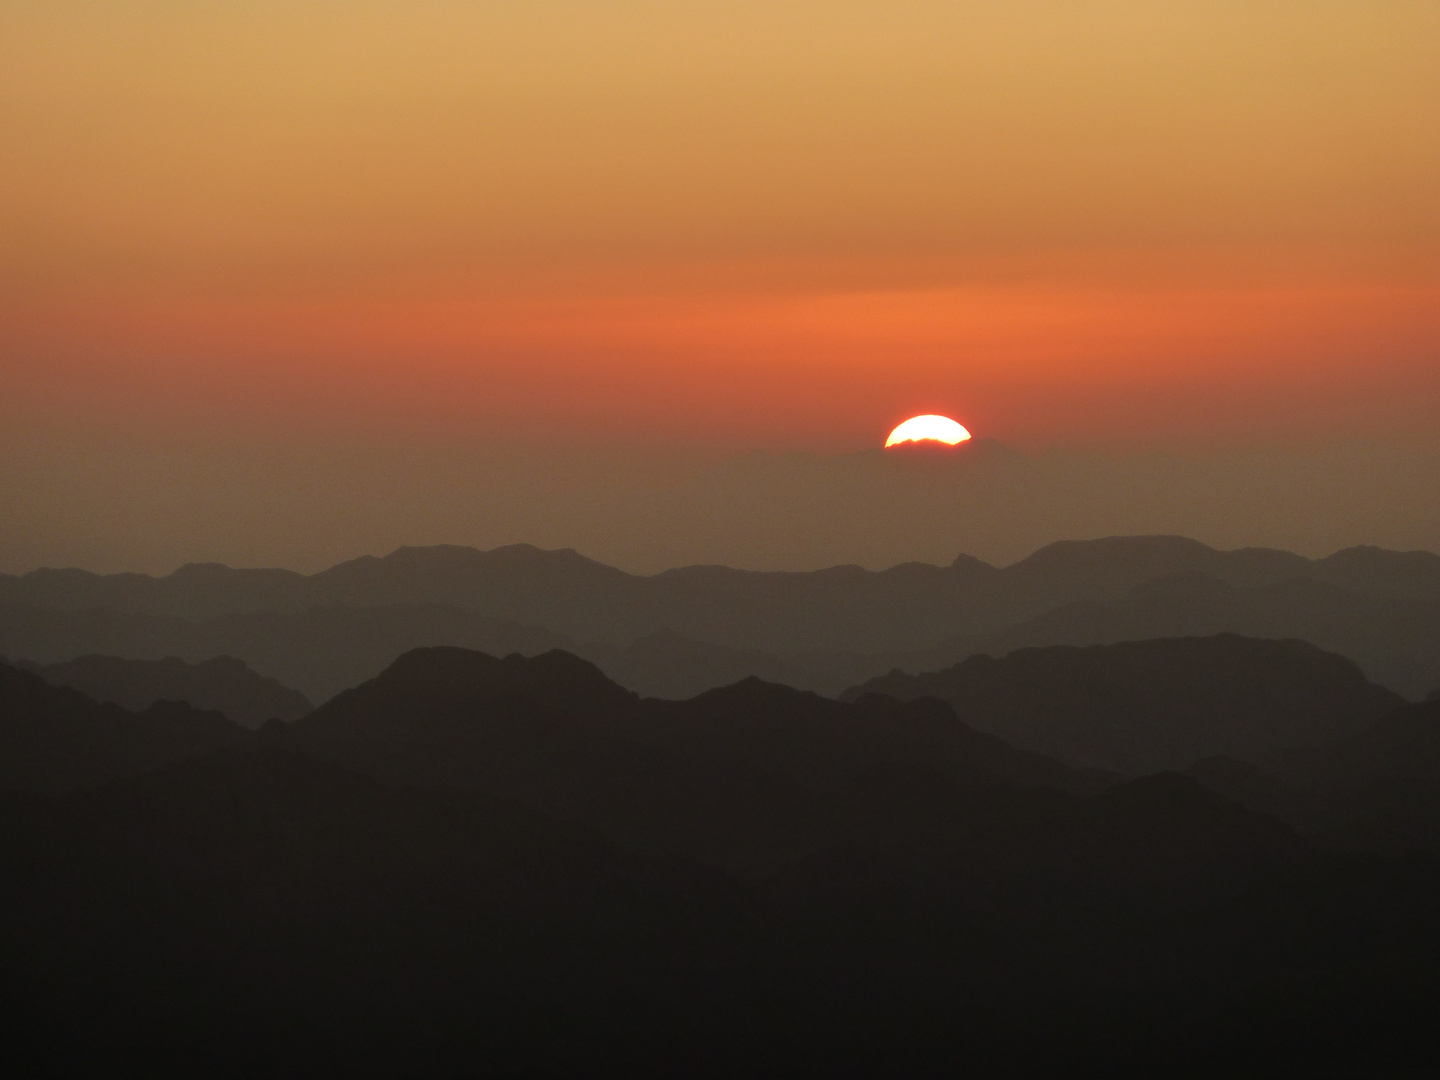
(444, 673)
(1070, 554)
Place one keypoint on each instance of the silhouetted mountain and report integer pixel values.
(194, 592)
(53, 635)
(1404, 743)
(723, 776)
(668, 665)
(259, 913)
(324, 650)
(1395, 641)
(436, 678)
(331, 649)
(1373, 571)
(223, 684)
(1378, 789)
(53, 738)
(540, 870)
(841, 609)
(1143, 706)
(320, 651)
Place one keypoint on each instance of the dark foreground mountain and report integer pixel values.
(53, 738)
(223, 684)
(261, 914)
(1378, 789)
(730, 776)
(544, 872)
(1405, 743)
(669, 665)
(1143, 706)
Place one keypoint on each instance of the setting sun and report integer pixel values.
(928, 428)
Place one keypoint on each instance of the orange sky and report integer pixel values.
(780, 225)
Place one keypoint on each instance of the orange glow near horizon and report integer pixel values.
(746, 224)
(1035, 362)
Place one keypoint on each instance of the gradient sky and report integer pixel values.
(1192, 226)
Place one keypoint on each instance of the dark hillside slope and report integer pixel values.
(53, 738)
(1377, 790)
(223, 684)
(424, 680)
(256, 913)
(262, 914)
(669, 665)
(729, 776)
(1403, 743)
(1143, 706)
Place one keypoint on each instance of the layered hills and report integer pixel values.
(481, 866)
(1395, 640)
(841, 609)
(678, 633)
(730, 776)
(223, 684)
(319, 652)
(1144, 706)
(1376, 789)
(53, 738)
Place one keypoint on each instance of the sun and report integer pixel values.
(928, 428)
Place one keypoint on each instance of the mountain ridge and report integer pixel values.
(681, 631)
(222, 683)
(911, 604)
(1144, 706)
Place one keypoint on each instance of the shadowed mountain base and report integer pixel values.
(544, 872)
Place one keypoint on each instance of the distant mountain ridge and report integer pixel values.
(840, 609)
(1395, 640)
(678, 633)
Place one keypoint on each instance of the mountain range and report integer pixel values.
(1144, 706)
(840, 609)
(480, 866)
(223, 684)
(53, 738)
(679, 633)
